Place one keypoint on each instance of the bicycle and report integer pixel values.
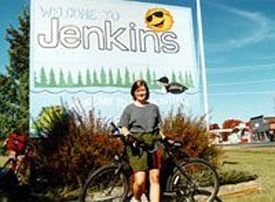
(190, 179)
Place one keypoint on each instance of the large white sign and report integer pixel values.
(93, 51)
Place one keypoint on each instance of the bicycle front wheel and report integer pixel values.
(108, 183)
(194, 180)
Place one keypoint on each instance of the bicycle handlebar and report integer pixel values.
(140, 142)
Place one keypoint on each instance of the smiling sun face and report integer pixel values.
(159, 19)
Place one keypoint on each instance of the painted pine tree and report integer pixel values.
(186, 79)
(111, 78)
(190, 79)
(88, 78)
(118, 79)
(62, 82)
(70, 81)
(154, 84)
(103, 80)
(140, 75)
(79, 80)
(148, 77)
(127, 82)
(52, 82)
(43, 78)
(181, 80)
(36, 84)
(174, 78)
(133, 77)
(95, 80)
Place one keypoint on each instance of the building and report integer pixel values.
(263, 127)
(239, 134)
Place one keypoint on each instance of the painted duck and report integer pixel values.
(173, 87)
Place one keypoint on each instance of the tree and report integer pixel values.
(214, 126)
(229, 124)
(15, 92)
(5, 105)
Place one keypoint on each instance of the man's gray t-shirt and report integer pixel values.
(140, 119)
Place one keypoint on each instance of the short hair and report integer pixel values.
(136, 85)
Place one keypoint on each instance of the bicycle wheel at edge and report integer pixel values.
(10, 164)
(108, 183)
(23, 171)
(204, 184)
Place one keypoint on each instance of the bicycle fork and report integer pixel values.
(187, 190)
(117, 176)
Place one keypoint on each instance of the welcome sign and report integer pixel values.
(93, 51)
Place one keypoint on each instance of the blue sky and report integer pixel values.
(239, 41)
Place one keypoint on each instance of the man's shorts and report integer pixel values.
(141, 160)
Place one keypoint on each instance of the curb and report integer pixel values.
(240, 189)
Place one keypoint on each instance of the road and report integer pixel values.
(248, 145)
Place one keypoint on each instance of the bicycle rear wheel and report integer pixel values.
(197, 180)
(107, 184)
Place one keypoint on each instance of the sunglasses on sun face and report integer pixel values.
(158, 14)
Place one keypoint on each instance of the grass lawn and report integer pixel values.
(259, 161)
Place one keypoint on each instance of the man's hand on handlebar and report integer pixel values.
(167, 140)
(131, 140)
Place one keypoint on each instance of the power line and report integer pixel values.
(242, 93)
(241, 83)
(221, 70)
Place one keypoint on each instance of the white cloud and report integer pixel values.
(261, 29)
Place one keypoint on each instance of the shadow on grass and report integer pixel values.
(235, 176)
(230, 162)
(20, 194)
(11, 191)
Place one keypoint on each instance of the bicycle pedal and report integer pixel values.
(169, 194)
